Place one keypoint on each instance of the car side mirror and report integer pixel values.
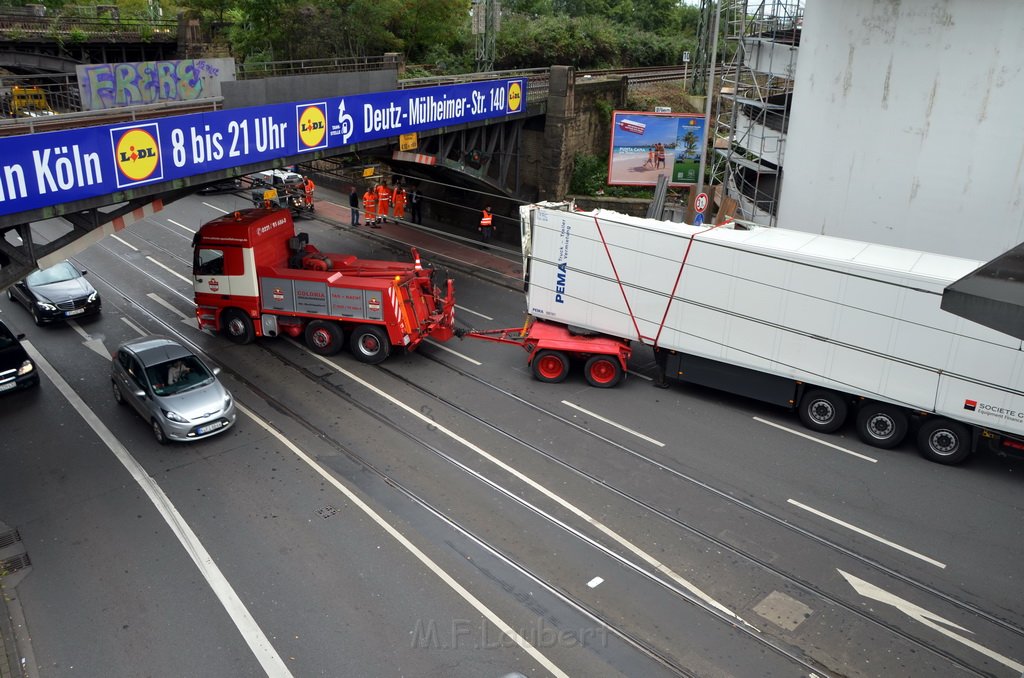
(84, 272)
(216, 370)
(20, 337)
(140, 394)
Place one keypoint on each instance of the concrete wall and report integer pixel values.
(906, 125)
(103, 86)
(283, 89)
(575, 124)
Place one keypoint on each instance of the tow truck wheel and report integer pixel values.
(550, 366)
(944, 441)
(823, 411)
(603, 371)
(882, 425)
(324, 337)
(369, 344)
(237, 326)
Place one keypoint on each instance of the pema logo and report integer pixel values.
(137, 154)
(312, 126)
(515, 96)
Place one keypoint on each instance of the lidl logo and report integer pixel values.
(971, 405)
(312, 125)
(515, 96)
(137, 154)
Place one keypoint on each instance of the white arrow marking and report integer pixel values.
(90, 342)
(925, 617)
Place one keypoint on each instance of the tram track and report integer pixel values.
(553, 587)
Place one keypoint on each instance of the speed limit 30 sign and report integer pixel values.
(701, 203)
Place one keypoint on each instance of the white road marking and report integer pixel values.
(813, 439)
(90, 342)
(927, 618)
(455, 353)
(477, 313)
(166, 304)
(214, 207)
(233, 605)
(630, 546)
(135, 327)
(410, 547)
(615, 424)
(169, 269)
(181, 225)
(637, 374)
(124, 242)
(858, 530)
(595, 582)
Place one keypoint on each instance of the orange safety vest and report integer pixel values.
(369, 202)
(485, 220)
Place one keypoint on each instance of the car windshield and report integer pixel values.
(6, 338)
(59, 273)
(178, 376)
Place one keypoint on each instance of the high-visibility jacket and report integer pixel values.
(383, 197)
(398, 198)
(486, 221)
(370, 203)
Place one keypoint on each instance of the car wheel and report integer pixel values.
(237, 326)
(118, 397)
(369, 344)
(158, 433)
(882, 425)
(324, 337)
(551, 367)
(944, 441)
(603, 371)
(36, 318)
(822, 410)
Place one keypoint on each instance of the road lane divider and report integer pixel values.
(617, 425)
(815, 440)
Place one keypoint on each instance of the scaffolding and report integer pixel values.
(753, 102)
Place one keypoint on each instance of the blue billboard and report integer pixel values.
(41, 170)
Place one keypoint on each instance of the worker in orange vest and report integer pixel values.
(398, 203)
(383, 198)
(370, 205)
(486, 225)
(308, 187)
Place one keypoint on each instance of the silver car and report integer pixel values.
(172, 389)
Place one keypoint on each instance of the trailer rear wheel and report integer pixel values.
(822, 410)
(237, 326)
(324, 337)
(550, 366)
(603, 371)
(369, 344)
(882, 425)
(944, 441)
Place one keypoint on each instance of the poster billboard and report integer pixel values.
(645, 146)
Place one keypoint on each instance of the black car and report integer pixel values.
(56, 293)
(17, 371)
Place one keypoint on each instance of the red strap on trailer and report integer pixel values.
(618, 281)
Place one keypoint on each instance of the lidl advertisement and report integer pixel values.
(648, 145)
(41, 170)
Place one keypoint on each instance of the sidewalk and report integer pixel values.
(436, 243)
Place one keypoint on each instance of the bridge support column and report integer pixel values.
(558, 157)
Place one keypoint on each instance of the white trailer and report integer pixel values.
(824, 325)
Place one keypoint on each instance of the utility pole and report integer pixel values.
(486, 24)
(708, 131)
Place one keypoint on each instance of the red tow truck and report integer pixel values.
(255, 277)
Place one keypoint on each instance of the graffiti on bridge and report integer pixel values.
(106, 86)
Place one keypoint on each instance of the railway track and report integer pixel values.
(628, 635)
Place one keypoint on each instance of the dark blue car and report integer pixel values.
(56, 293)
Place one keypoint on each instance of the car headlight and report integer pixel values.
(26, 367)
(45, 306)
(174, 416)
(227, 400)
(93, 297)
